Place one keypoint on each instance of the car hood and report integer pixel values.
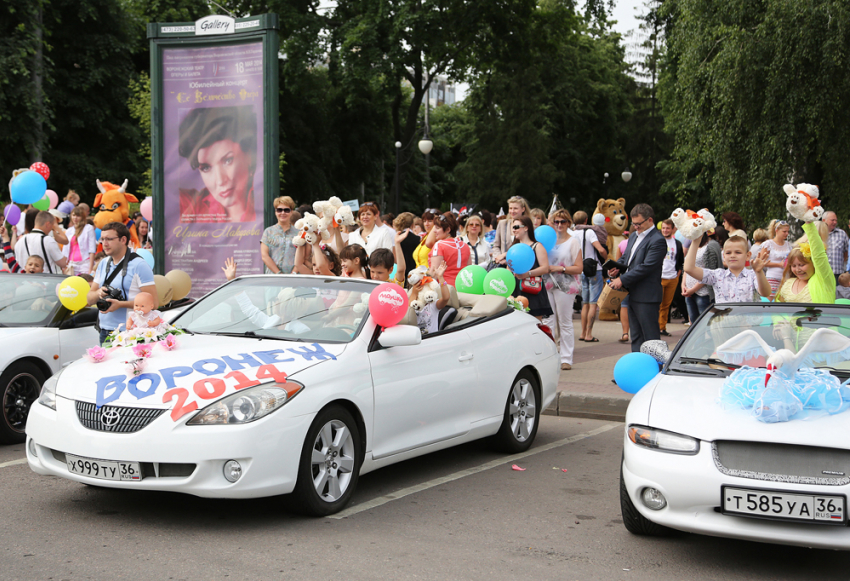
(689, 405)
(169, 378)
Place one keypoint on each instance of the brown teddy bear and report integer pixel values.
(616, 221)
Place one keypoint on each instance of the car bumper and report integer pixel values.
(268, 451)
(692, 487)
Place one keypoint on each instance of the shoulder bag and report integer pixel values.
(533, 284)
(589, 264)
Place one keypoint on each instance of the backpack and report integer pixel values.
(589, 264)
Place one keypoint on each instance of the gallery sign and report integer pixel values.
(215, 25)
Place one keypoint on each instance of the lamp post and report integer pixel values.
(626, 175)
(397, 172)
(425, 146)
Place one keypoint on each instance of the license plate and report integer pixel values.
(783, 505)
(103, 469)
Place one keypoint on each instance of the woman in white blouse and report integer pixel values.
(474, 237)
(82, 245)
(369, 236)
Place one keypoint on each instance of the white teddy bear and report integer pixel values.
(803, 202)
(692, 224)
(430, 291)
(309, 227)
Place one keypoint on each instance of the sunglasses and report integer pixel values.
(283, 210)
(781, 223)
(517, 227)
(560, 221)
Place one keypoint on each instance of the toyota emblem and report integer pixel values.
(109, 418)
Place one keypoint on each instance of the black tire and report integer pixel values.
(306, 498)
(509, 438)
(20, 386)
(634, 521)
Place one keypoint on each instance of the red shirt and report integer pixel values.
(455, 253)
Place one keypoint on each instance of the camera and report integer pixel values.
(111, 293)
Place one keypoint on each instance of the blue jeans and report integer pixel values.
(104, 333)
(591, 288)
(696, 306)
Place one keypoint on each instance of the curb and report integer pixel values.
(585, 405)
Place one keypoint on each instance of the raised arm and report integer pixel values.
(691, 262)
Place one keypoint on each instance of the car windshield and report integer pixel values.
(28, 300)
(294, 308)
(778, 325)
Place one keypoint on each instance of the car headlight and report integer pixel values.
(247, 405)
(663, 441)
(48, 392)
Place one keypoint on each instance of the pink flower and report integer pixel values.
(142, 350)
(170, 342)
(96, 354)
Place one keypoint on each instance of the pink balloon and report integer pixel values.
(146, 208)
(388, 304)
(53, 197)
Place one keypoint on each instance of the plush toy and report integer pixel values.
(803, 202)
(113, 205)
(309, 227)
(615, 220)
(692, 224)
(429, 292)
(325, 210)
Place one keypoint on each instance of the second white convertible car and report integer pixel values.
(283, 385)
(695, 465)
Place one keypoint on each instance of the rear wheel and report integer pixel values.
(21, 385)
(522, 415)
(634, 521)
(329, 465)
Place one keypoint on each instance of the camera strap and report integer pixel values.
(122, 266)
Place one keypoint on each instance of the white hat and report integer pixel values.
(56, 213)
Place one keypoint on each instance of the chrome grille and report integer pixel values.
(117, 419)
(783, 462)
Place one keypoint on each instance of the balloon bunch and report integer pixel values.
(29, 186)
(174, 286)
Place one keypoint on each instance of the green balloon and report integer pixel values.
(42, 204)
(842, 301)
(471, 280)
(499, 281)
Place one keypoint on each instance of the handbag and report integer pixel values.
(588, 264)
(531, 285)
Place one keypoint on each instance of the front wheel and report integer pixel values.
(522, 415)
(329, 465)
(21, 385)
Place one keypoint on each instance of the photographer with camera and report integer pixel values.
(119, 278)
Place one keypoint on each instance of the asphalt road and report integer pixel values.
(458, 514)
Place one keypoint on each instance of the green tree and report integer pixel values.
(757, 94)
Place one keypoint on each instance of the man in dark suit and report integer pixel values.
(645, 259)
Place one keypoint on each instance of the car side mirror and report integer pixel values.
(657, 349)
(400, 336)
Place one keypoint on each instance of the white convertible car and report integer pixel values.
(695, 465)
(284, 384)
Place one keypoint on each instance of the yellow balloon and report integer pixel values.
(72, 293)
(163, 289)
(180, 283)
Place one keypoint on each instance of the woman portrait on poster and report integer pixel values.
(220, 143)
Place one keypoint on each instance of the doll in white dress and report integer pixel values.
(143, 313)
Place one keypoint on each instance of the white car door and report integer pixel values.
(423, 393)
(73, 341)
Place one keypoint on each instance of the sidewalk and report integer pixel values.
(587, 390)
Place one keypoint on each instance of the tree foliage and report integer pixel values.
(757, 94)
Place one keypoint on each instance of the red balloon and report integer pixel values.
(388, 304)
(41, 168)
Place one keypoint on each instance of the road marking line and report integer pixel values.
(376, 502)
(13, 462)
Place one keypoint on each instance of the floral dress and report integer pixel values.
(281, 248)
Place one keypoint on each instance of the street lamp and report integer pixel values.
(397, 172)
(626, 175)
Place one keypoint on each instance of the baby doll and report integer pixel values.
(143, 313)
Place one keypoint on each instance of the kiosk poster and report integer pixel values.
(212, 106)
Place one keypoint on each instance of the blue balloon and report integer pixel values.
(634, 370)
(147, 255)
(520, 258)
(546, 236)
(28, 187)
(764, 299)
(97, 234)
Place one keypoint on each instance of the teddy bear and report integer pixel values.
(615, 221)
(429, 292)
(803, 202)
(692, 224)
(309, 227)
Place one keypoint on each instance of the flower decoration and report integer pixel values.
(147, 335)
(96, 354)
(134, 366)
(169, 343)
(143, 350)
(806, 249)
